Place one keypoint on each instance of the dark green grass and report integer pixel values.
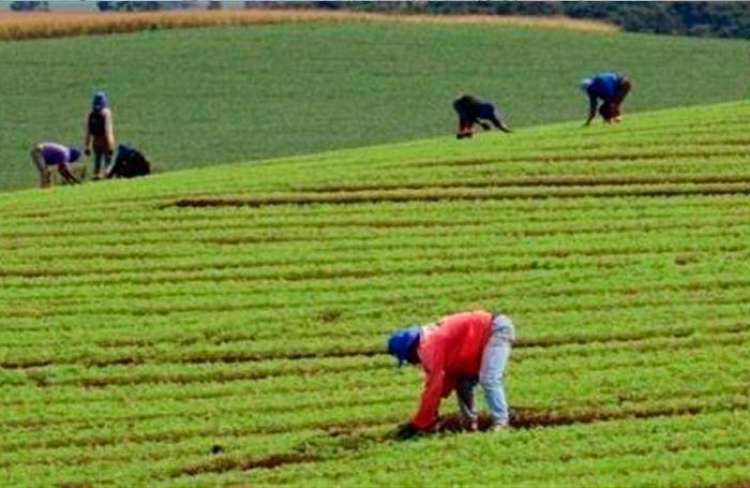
(202, 96)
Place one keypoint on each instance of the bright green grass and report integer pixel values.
(195, 97)
(135, 334)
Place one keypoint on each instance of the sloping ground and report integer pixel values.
(197, 97)
(226, 325)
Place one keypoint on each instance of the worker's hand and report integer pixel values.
(406, 431)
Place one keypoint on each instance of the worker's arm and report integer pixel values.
(504, 127)
(65, 172)
(433, 362)
(87, 137)
(109, 129)
(592, 109)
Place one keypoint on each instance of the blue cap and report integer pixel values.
(401, 342)
(585, 84)
(99, 101)
(74, 154)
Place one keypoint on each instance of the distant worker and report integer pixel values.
(129, 163)
(48, 154)
(611, 88)
(472, 110)
(456, 353)
(99, 134)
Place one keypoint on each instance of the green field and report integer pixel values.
(247, 306)
(201, 96)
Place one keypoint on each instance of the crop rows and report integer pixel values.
(178, 334)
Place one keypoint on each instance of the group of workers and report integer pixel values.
(467, 349)
(606, 92)
(99, 140)
(458, 352)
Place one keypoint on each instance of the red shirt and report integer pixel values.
(447, 352)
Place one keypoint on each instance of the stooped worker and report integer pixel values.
(456, 353)
(471, 110)
(99, 130)
(129, 163)
(611, 88)
(47, 154)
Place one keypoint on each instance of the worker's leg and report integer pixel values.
(465, 125)
(41, 165)
(494, 360)
(465, 398)
(107, 155)
(620, 93)
(98, 155)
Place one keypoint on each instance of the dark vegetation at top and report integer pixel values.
(714, 19)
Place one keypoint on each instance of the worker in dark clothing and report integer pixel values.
(611, 88)
(129, 163)
(472, 110)
(99, 131)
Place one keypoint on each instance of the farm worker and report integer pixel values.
(48, 154)
(472, 110)
(611, 88)
(99, 132)
(456, 353)
(129, 163)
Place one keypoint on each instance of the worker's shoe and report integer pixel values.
(498, 426)
(470, 424)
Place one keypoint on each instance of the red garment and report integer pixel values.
(448, 352)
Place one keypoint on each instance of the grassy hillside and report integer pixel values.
(144, 322)
(196, 97)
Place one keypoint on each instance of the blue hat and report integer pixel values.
(99, 101)
(585, 84)
(401, 342)
(74, 154)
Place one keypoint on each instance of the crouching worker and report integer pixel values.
(611, 88)
(129, 163)
(50, 154)
(472, 110)
(456, 353)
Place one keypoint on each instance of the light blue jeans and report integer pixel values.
(494, 360)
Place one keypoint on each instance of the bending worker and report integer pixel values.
(472, 110)
(99, 134)
(611, 88)
(48, 154)
(456, 353)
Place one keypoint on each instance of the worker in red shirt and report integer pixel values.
(456, 353)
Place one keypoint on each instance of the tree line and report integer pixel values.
(714, 19)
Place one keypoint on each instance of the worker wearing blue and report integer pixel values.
(611, 88)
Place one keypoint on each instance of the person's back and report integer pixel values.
(604, 85)
(54, 154)
(460, 339)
